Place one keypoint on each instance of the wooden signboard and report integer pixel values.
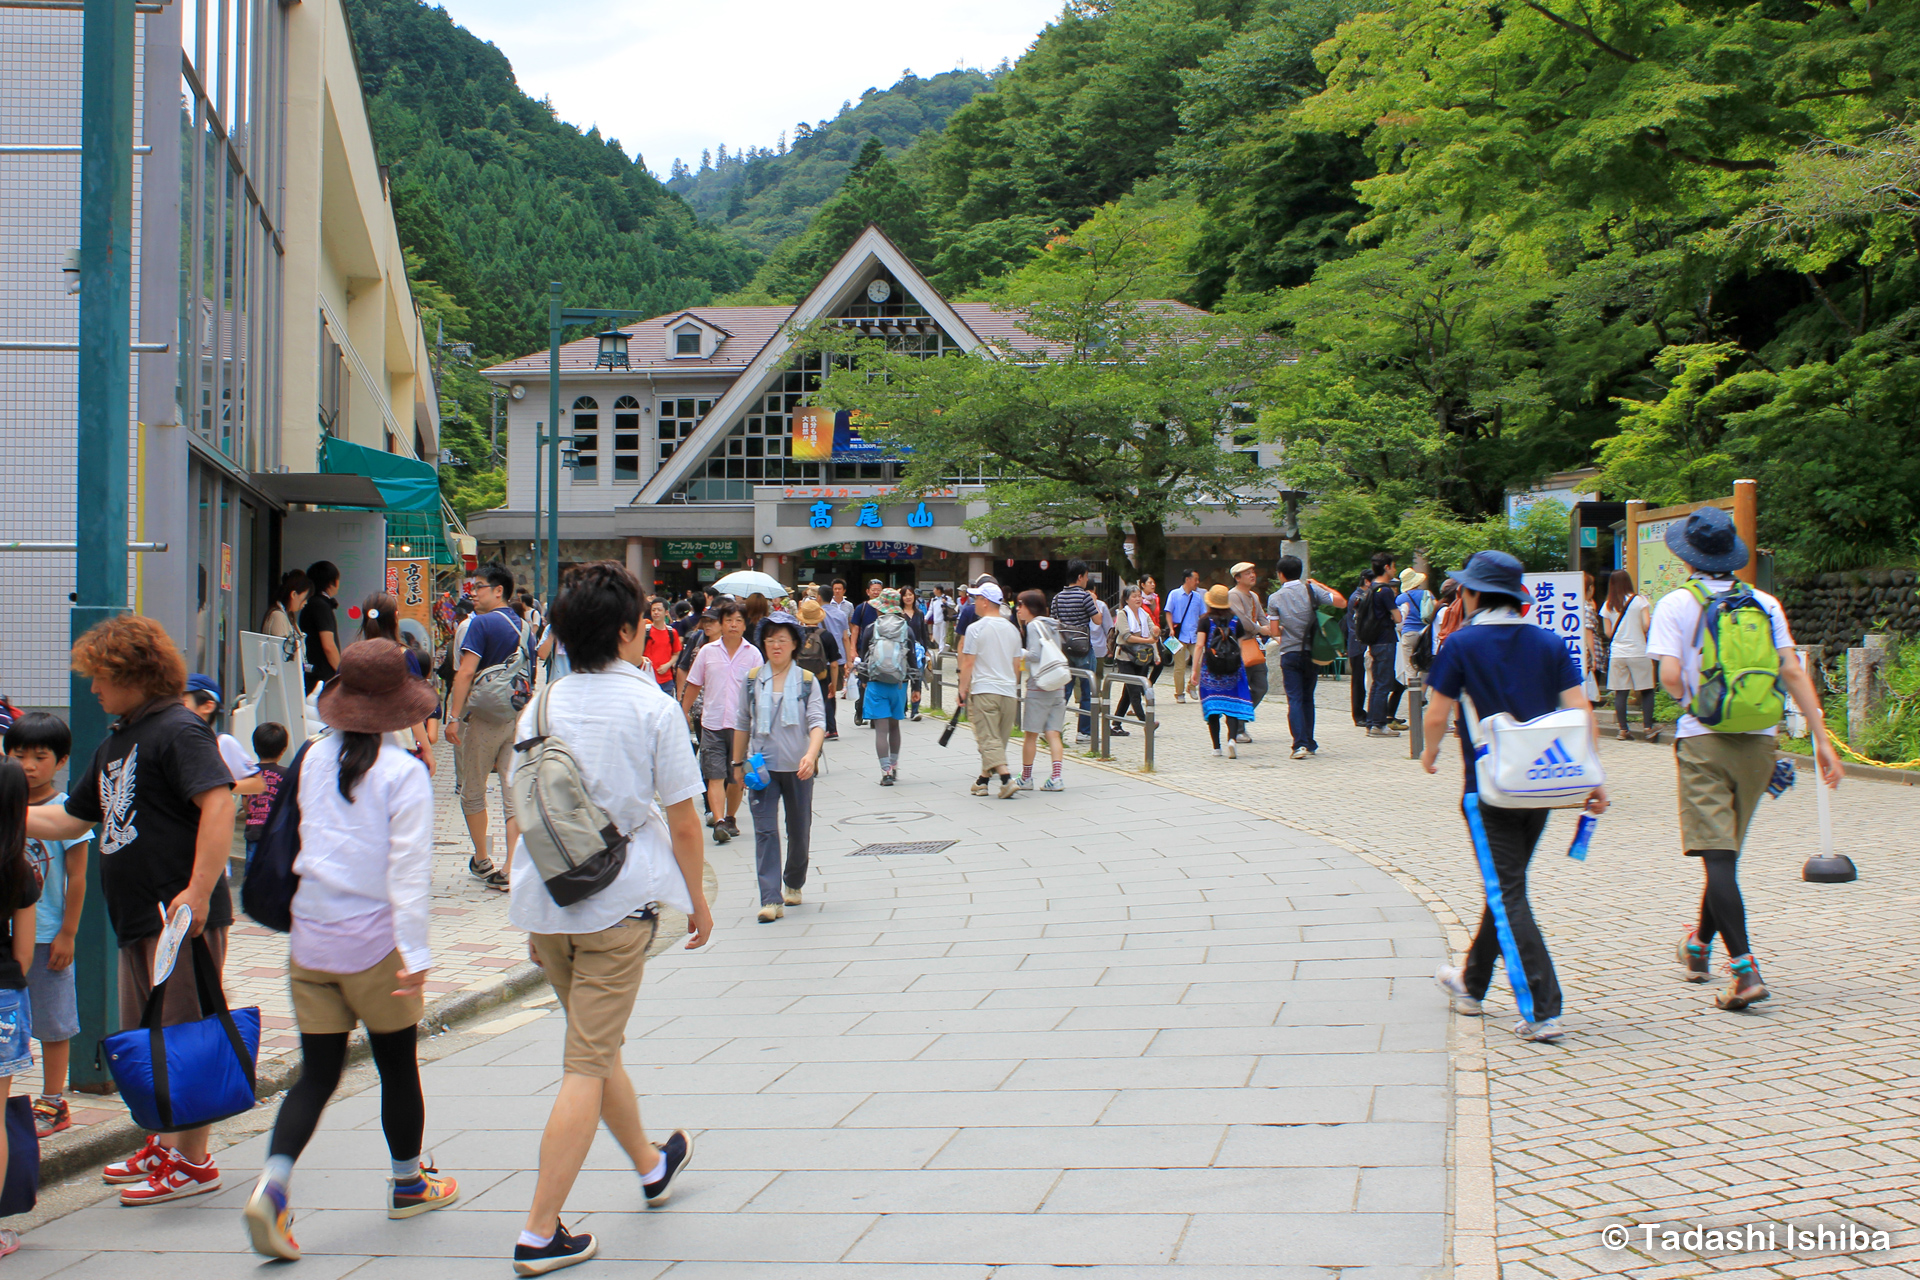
(1653, 566)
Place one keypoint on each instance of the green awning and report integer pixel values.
(411, 489)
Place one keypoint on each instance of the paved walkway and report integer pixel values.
(1657, 1107)
(1118, 1029)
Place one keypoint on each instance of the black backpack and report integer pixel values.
(1370, 622)
(813, 654)
(267, 892)
(1223, 647)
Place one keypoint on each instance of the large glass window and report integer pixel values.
(586, 440)
(626, 440)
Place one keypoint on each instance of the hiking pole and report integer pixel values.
(1829, 867)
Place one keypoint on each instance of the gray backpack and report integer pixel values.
(576, 848)
(501, 693)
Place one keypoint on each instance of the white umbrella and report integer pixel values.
(749, 582)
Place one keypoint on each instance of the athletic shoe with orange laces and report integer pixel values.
(175, 1179)
(420, 1194)
(270, 1222)
(136, 1167)
(50, 1116)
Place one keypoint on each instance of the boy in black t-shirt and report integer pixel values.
(163, 798)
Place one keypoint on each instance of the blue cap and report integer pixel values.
(1707, 541)
(1492, 571)
(197, 683)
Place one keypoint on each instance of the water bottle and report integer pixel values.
(1581, 835)
(757, 771)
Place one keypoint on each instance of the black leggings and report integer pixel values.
(403, 1111)
(1213, 728)
(1722, 910)
(1622, 702)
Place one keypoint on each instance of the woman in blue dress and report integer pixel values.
(1219, 675)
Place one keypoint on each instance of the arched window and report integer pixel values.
(626, 440)
(586, 439)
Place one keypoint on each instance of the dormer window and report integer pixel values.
(686, 341)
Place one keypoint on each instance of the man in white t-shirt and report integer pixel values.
(1723, 775)
(990, 659)
(631, 745)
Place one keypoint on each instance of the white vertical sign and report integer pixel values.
(1557, 599)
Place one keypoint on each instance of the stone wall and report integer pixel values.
(1837, 609)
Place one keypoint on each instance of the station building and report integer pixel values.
(702, 456)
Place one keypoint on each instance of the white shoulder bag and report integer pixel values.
(1547, 762)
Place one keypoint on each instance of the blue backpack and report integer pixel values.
(267, 892)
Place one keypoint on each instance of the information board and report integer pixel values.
(1557, 599)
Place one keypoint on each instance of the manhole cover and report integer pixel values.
(907, 846)
(881, 819)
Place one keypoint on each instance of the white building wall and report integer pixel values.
(39, 393)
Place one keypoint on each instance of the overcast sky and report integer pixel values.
(673, 77)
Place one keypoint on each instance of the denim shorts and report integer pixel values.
(56, 1009)
(16, 1030)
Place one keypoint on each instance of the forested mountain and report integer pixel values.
(1675, 238)
(766, 195)
(495, 197)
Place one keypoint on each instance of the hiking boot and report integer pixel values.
(1692, 955)
(562, 1251)
(677, 1151)
(720, 833)
(1545, 1031)
(420, 1194)
(1746, 987)
(175, 1178)
(1398, 723)
(270, 1222)
(790, 897)
(733, 827)
(979, 788)
(136, 1167)
(50, 1116)
(1462, 1001)
(1007, 788)
(771, 912)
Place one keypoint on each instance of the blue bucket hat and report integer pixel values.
(1492, 571)
(1707, 541)
(197, 683)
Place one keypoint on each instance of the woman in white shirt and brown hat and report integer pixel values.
(358, 947)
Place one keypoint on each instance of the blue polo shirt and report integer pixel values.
(1503, 664)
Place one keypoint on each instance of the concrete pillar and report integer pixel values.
(637, 563)
(770, 565)
(1866, 685)
(976, 565)
(1298, 547)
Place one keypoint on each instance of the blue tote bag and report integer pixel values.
(193, 1073)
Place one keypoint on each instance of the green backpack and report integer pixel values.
(1740, 689)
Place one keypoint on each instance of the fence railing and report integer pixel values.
(945, 665)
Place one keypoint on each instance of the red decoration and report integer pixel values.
(686, 564)
(353, 611)
(1009, 564)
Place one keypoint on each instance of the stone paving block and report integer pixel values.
(770, 1237)
(999, 1108)
(1334, 1144)
(1301, 1104)
(1255, 1191)
(1131, 1073)
(1070, 1239)
(1313, 1239)
(1102, 1147)
(905, 1191)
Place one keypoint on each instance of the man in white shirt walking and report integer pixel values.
(989, 687)
(631, 746)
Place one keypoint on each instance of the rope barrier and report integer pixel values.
(1846, 750)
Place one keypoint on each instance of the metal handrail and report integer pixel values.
(1103, 727)
(74, 546)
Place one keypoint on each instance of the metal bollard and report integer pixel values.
(933, 679)
(1416, 716)
(1146, 744)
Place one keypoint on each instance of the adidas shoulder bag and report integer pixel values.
(1547, 762)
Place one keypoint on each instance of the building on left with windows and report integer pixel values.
(266, 261)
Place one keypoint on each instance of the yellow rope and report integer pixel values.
(1846, 750)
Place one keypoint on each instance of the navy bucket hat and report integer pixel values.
(1492, 571)
(1706, 540)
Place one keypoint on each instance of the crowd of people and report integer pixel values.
(612, 719)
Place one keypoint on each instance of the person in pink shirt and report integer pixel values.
(718, 669)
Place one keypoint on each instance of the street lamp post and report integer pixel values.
(559, 316)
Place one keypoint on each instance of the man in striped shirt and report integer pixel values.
(1073, 610)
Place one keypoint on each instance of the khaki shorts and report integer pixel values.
(597, 977)
(995, 718)
(1722, 778)
(334, 1003)
(182, 1001)
(484, 748)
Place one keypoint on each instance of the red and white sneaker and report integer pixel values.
(136, 1167)
(175, 1179)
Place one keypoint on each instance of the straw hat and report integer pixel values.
(375, 691)
(812, 612)
(1218, 598)
(1412, 579)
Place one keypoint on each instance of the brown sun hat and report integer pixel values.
(1218, 598)
(812, 612)
(375, 691)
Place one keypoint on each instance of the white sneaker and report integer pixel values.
(1447, 978)
(1053, 784)
(1231, 753)
(1217, 751)
(1299, 753)
(791, 897)
(1024, 782)
(1545, 1031)
(771, 912)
